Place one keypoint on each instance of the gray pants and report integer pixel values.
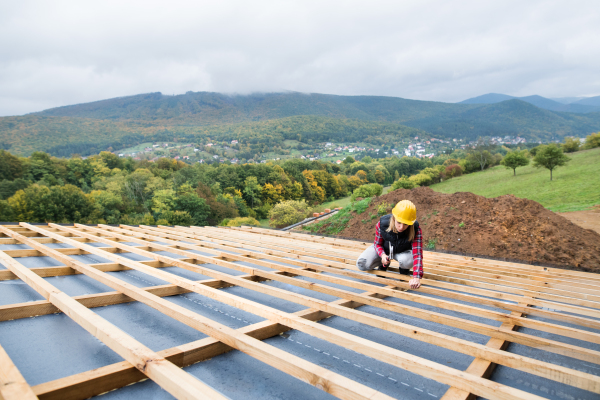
(369, 259)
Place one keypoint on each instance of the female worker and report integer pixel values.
(397, 236)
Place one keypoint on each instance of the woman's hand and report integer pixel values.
(414, 283)
(385, 260)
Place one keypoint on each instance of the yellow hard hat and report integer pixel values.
(405, 212)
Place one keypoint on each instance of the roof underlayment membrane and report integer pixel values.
(55, 354)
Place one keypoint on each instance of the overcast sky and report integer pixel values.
(66, 52)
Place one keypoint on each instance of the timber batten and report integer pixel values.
(506, 302)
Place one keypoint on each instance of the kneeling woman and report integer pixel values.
(397, 236)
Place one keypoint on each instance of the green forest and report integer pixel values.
(105, 188)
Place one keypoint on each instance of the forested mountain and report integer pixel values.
(130, 120)
(582, 106)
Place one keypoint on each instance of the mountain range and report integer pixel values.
(567, 104)
(154, 116)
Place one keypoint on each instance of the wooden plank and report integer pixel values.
(12, 384)
(366, 347)
(525, 364)
(44, 307)
(584, 335)
(171, 378)
(91, 383)
(428, 254)
(308, 372)
(565, 297)
(480, 367)
(425, 282)
(425, 286)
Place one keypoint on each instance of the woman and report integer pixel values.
(397, 236)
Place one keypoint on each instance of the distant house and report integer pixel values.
(215, 156)
(209, 145)
(338, 161)
(121, 155)
(176, 158)
(137, 158)
(196, 150)
(234, 142)
(201, 161)
(186, 157)
(155, 145)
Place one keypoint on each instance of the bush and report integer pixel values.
(592, 141)
(239, 221)
(361, 206)
(365, 191)
(421, 179)
(182, 218)
(453, 170)
(288, 213)
(571, 145)
(403, 183)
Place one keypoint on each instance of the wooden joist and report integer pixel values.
(12, 384)
(321, 264)
(295, 366)
(171, 378)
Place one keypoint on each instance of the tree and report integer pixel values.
(550, 157)
(10, 166)
(571, 145)
(403, 183)
(348, 160)
(287, 213)
(513, 160)
(453, 170)
(252, 191)
(481, 156)
(592, 141)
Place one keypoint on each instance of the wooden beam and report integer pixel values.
(171, 378)
(280, 257)
(490, 354)
(480, 367)
(12, 384)
(308, 372)
(386, 354)
(529, 340)
(184, 232)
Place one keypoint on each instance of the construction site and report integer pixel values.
(158, 312)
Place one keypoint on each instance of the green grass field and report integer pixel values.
(574, 187)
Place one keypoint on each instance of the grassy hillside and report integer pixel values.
(574, 186)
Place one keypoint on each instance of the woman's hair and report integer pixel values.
(392, 228)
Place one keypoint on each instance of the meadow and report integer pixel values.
(574, 187)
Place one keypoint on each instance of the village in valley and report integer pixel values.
(335, 152)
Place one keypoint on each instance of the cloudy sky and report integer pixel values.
(67, 52)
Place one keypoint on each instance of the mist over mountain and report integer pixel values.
(154, 116)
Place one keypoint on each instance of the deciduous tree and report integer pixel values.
(550, 157)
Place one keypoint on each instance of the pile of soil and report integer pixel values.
(505, 227)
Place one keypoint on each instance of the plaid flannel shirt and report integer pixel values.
(417, 250)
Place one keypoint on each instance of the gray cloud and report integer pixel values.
(59, 53)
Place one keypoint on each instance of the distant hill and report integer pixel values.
(580, 106)
(590, 101)
(134, 119)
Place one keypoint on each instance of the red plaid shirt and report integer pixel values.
(417, 250)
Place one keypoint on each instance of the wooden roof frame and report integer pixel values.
(322, 259)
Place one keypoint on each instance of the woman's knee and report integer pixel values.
(405, 259)
(361, 264)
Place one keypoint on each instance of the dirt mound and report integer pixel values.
(504, 227)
